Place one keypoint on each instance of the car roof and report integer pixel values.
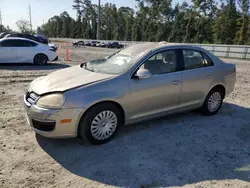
(136, 49)
(23, 35)
(18, 38)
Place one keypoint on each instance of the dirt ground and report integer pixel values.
(186, 149)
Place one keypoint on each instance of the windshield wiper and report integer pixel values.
(112, 54)
(87, 68)
(83, 64)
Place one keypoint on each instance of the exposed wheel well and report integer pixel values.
(222, 88)
(105, 102)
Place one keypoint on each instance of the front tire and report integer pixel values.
(213, 102)
(100, 123)
(40, 59)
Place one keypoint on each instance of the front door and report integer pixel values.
(8, 51)
(159, 93)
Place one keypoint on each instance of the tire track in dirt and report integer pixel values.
(26, 78)
(21, 76)
(15, 81)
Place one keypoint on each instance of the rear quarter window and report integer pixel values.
(208, 60)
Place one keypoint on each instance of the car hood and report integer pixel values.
(66, 79)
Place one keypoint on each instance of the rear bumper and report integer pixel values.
(230, 80)
(52, 56)
(56, 58)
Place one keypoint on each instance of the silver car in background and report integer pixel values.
(92, 100)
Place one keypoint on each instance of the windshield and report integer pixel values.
(114, 64)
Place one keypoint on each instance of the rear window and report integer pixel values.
(193, 59)
(28, 43)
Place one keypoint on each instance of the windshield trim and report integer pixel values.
(134, 62)
(123, 69)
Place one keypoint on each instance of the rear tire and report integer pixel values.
(41, 59)
(213, 102)
(100, 123)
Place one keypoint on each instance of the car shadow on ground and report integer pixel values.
(172, 151)
(26, 66)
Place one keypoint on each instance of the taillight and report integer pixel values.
(52, 49)
(234, 69)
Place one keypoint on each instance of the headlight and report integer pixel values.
(51, 101)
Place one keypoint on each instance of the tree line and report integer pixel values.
(5, 29)
(22, 25)
(201, 21)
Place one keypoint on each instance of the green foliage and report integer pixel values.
(23, 26)
(5, 29)
(60, 26)
(225, 27)
(243, 22)
(201, 21)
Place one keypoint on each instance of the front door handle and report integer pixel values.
(176, 82)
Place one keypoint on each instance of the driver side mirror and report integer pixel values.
(143, 73)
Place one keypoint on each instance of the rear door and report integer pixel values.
(26, 51)
(197, 77)
(8, 51)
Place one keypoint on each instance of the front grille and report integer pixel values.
(30, 98)
(44, 126)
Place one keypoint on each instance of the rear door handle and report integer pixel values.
(176, 82)
(209, 76)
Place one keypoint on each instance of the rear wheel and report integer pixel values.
(213, 102)
(100, 123)
(40, 59)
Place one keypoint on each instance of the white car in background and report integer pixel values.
(21, 50)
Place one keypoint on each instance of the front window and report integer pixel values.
(114, 64)
(162, 63)
(10, 43)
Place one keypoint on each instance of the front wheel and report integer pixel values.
(40, 59)
(213, 102)
(100, 123)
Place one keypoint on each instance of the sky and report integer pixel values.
(42, 10)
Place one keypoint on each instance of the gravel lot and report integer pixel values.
(186, 149)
